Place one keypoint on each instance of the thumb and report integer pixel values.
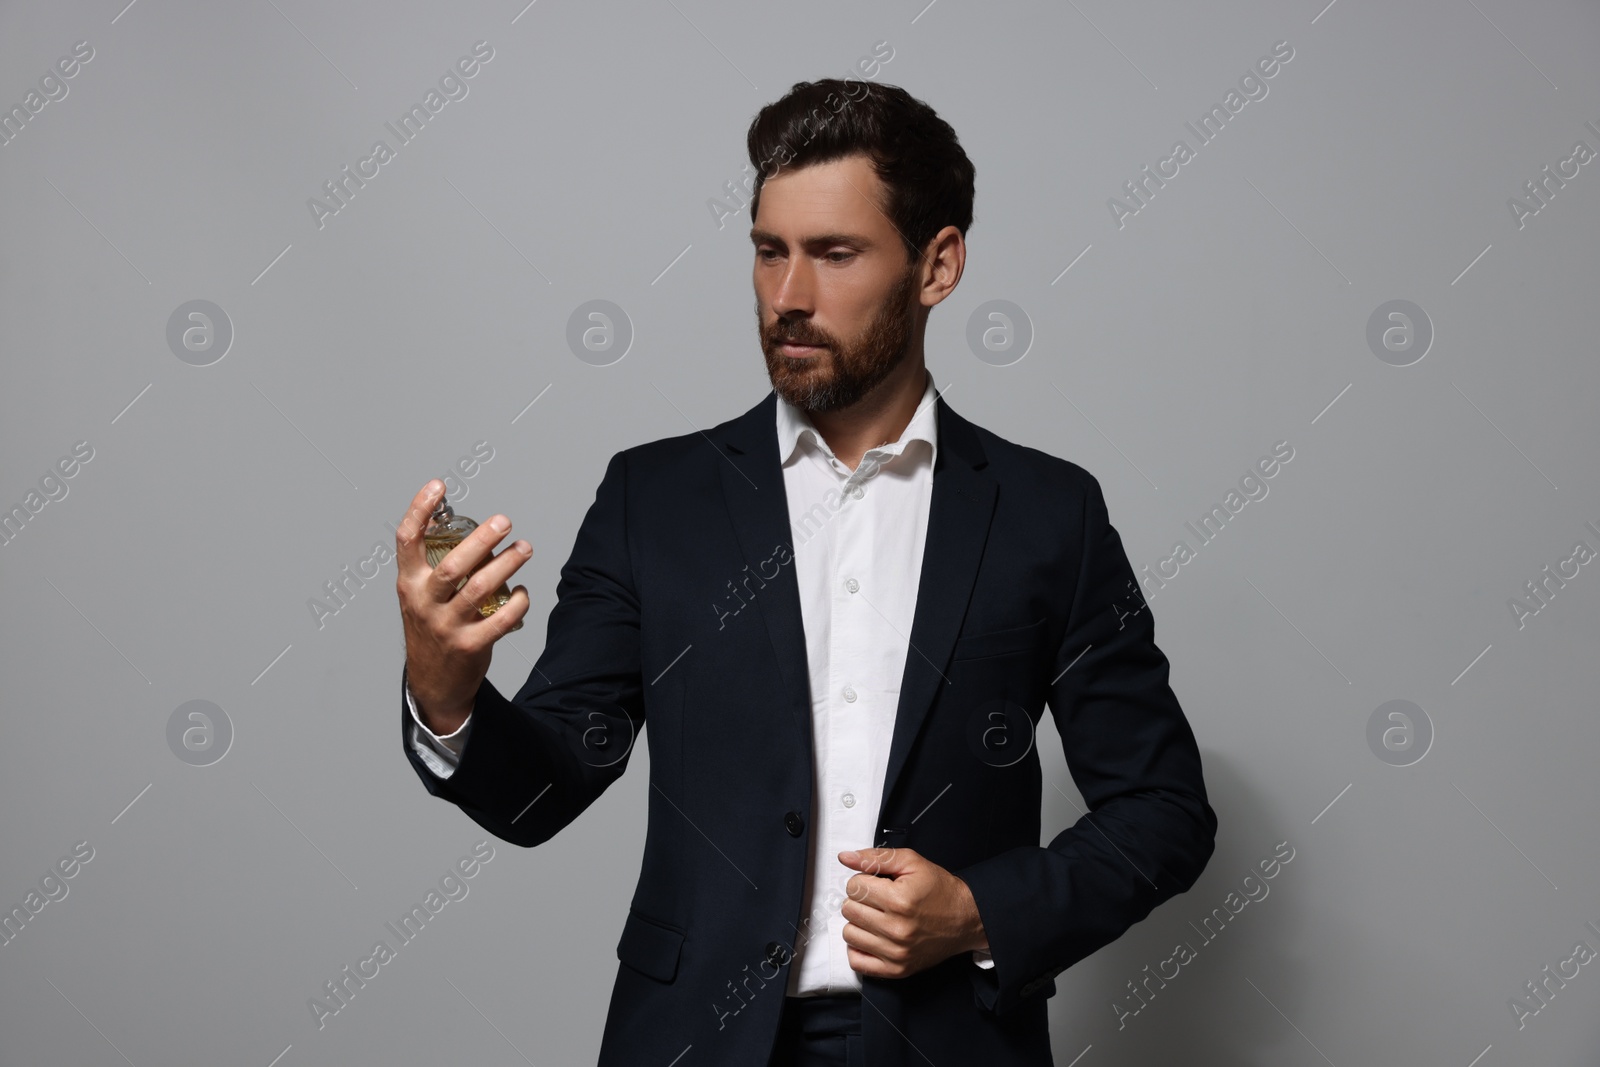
(887, 862)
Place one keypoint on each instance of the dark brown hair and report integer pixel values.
(914, 152)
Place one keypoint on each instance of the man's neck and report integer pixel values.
(879, 418)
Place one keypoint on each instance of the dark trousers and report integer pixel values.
(820, 1031)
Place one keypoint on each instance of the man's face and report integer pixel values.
(830, 275)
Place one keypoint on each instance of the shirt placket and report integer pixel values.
(854, 691)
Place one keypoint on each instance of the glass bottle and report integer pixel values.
(445, 531)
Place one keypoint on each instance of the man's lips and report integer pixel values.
(790, 348)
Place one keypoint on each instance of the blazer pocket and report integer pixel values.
(999, 642)
(650, 947)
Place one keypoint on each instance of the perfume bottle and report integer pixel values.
(445, 531)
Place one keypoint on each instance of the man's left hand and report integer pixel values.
(905, 913)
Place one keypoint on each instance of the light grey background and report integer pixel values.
(369, 354)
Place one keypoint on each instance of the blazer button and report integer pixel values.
(777, 953)
(795, 823)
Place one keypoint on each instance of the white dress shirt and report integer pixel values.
(858, 537)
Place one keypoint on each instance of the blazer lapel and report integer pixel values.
(753, 489)
(958, 525)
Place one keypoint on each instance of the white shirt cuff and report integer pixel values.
(982, 958)
(440, 754)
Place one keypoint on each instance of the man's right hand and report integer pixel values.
(448, 643)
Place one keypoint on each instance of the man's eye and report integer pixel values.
(845, 255)
(763, 253)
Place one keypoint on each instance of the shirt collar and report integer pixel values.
(795, 426)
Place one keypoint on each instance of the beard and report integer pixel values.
(839, 375)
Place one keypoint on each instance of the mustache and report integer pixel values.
(797, 337)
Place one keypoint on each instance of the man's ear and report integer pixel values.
(944, 260)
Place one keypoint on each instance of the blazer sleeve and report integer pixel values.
(533, 763)
(1149, 830)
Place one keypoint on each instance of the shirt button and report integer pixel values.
(850, 694)
(851, 584)
(848, 800)
(858, 492)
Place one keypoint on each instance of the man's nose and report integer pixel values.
(795, 291)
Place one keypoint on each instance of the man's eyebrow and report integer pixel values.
(820, 240)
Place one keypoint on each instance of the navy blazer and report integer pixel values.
(678, 608)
